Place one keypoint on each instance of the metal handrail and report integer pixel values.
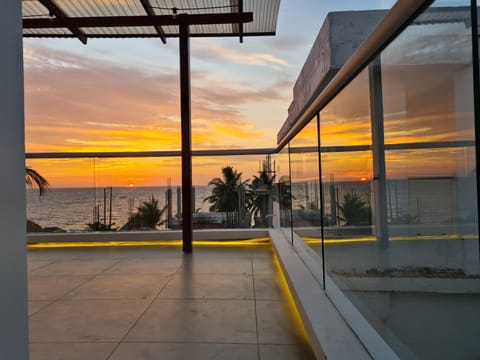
(129, 154)
(394, 22)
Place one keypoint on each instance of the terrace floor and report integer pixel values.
(156, 303)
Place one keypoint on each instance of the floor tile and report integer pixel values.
(52, 287)
(207, 265)
(286, 352)
(35, 306)
(219, 321)
(267, 287)
(85, 320)
(224, 252)
(179, 351)
(146, 266)
(264, 266)
(121, 286)
(277, 324)
(71, 351)
(209, 286)
(76, 267)
(34, 264)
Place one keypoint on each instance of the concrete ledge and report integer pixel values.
(208, 234)
(410, 285)
(329, 334)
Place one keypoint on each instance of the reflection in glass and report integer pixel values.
(305, 176)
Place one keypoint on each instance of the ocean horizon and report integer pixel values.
(71, 209)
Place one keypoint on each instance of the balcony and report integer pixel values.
(369, 239)
(228, 302)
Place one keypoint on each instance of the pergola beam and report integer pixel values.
(148, 9)
(124, 21)
(54, 10)
(238, 28)
(240, 25)
(148, 36)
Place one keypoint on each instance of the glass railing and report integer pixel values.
(399, 190)
(143, 193)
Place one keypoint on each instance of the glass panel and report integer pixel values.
(305, 187)
(283, 189)
(140, 192)
(346, 170)
(103, 194)
(67, 204)
(234, 191)
(414, 285)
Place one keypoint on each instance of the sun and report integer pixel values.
(131, 185)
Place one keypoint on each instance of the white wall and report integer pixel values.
(13, 281)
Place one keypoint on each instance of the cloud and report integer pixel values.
(73, 103)
(212, 52)
(386, 4)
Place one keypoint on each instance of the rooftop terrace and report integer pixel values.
(226, 302)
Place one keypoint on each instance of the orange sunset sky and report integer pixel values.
(123, 95)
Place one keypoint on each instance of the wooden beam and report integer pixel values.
(125, 21)
(148, 9)
(54, 10)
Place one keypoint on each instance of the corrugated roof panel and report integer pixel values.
(57, 31)
(83, 8)
(265, 14)
(130, 30)
(33, 9)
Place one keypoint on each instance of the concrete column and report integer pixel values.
(13, 278)
(378, 152)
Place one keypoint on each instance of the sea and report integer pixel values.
(421, 200)
(71, 209)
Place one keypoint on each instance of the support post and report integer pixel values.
(186, 133)
(320, 188)
(13, 271)
(476, 101)
(378, 152)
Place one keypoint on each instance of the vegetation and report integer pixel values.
(283, 193)
(99, 226)
(354, 210)
(148, 216)
(226, 191)
(33, 178)
(261, 197)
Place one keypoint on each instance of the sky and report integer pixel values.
(123, 95)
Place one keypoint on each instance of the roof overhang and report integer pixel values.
(85, 19)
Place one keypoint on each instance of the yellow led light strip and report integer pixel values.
(176, 243)
(293, 313)
(311, 240)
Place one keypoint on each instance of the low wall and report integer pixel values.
(210, 234)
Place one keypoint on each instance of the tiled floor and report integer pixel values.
(156, 303)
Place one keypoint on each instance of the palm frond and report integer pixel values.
(33, 178)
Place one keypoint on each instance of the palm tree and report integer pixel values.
(262, 195)
(148, 215)
(225, 192)
(284, 194)
(354, 210)
(33, 178)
